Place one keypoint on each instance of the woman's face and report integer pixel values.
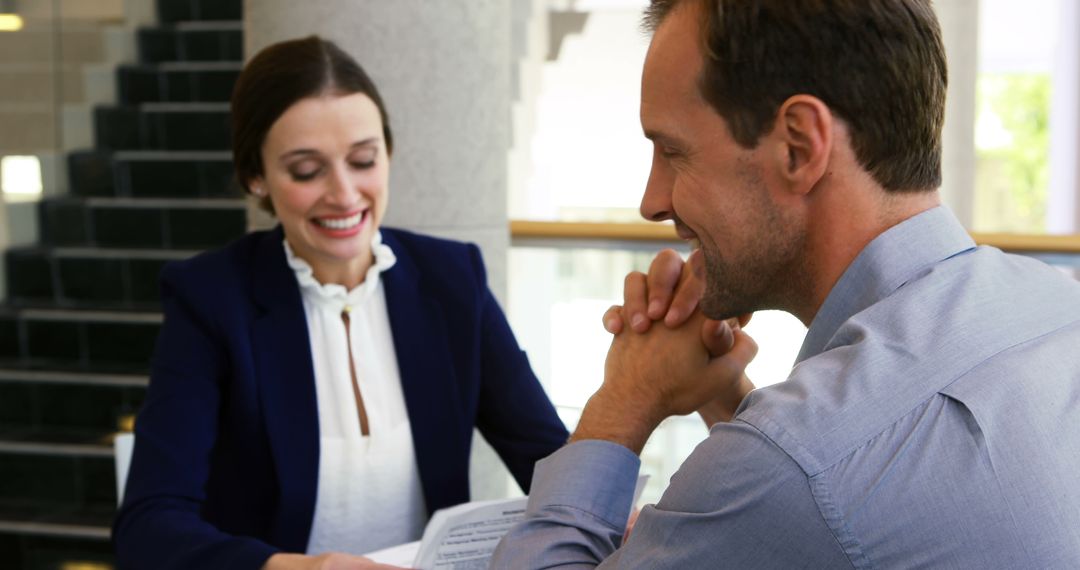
(326, 170)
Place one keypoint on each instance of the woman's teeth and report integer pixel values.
(695, 243)
(340, 223)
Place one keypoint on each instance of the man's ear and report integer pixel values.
(804, 136)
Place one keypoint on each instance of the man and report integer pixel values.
(933, 416)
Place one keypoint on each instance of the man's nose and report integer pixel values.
(656, 202)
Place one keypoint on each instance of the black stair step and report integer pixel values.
(68, 305)
(56, 538)
(177, 82)
(16, 374)
(77, 277)
(58, 339)
(163, 126)
(57, 498)
(54, 552)
(62, 401)
(56, 442)
(86, 522)
(59, 470)
(192, 42)
(153, 174)
(141, 369)
(29, 276)
(206, 10)
(11, 337)
(141, 223)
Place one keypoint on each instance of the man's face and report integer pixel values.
(722, 196)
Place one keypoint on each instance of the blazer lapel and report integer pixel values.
(441, 437)
(286, 383)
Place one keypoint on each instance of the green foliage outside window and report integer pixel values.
(1012, 152)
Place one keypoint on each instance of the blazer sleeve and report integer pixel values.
(160, 524)
(515, 415)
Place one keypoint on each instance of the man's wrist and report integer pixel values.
(723, 409)
(618, 419)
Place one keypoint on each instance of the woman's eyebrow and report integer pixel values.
(367, 142)
(371, 141)
(299, 151)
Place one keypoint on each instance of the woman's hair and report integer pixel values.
(275, 79)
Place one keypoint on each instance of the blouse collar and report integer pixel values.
(333, 293)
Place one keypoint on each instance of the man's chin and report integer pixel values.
(719, 309)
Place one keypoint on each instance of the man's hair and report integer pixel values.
(878, 64)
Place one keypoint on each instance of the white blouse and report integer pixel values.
(369, 494)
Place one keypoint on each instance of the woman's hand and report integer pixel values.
(329, 561)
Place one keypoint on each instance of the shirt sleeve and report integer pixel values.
(577, 508)
(737, 502)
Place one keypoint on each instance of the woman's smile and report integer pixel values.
(342, 226)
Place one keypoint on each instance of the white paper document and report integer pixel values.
(464, 537)
(401, 555)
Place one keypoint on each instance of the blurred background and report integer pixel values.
(518, 129)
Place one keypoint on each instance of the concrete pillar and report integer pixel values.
(444, 71)
(959, 27)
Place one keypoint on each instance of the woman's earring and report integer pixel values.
(258, 191)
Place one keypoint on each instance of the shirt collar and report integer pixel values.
(895, 257)
(334, 293)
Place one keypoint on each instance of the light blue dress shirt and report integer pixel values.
(932, 420)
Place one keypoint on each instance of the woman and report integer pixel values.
(315, 387)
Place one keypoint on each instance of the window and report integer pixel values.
(20, 177)
(1026, 116)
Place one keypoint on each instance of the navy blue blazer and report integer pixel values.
(226, 456)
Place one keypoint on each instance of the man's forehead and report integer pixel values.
(673, 63)
(675, 48)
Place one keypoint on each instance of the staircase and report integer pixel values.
(78, 326)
